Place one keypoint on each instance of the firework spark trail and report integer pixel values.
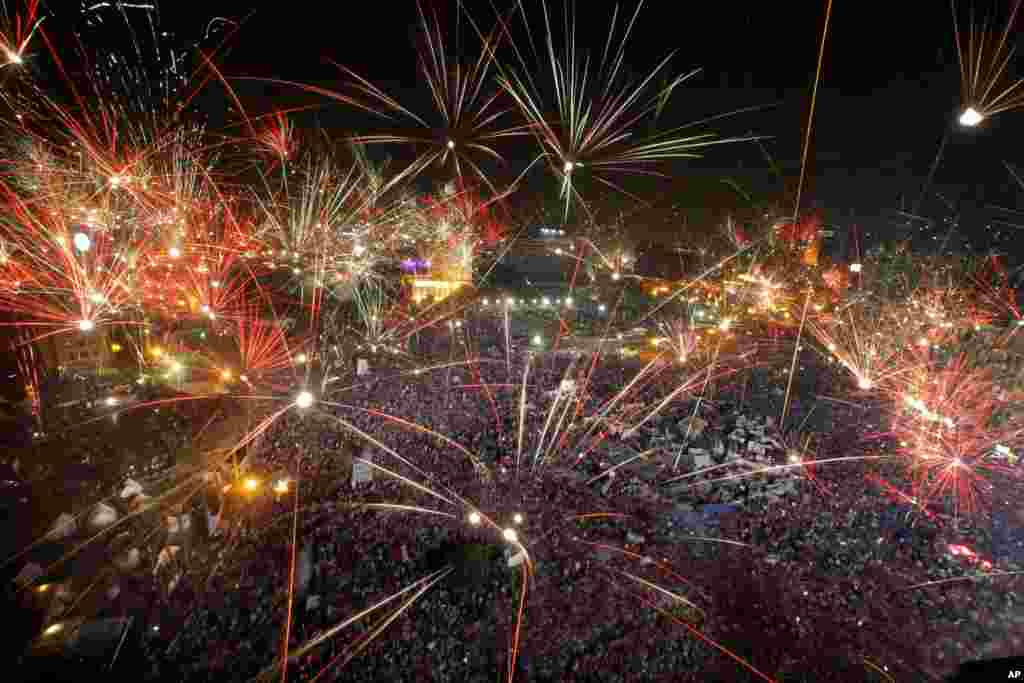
(796, 352)
(810, 115)
(982, 71)
(415, 427)
(349, 426)
(426, 581)
(522, 415)
(291, 587)
(975, 577)
(611, 470)
(721, 648)
(663, 566)
(596, 109)
(686, 386)
(778, 468)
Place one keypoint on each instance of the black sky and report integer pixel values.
(889, 92)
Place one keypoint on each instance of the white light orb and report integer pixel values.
(538, 340)
(474, 518)
(865, 383)
(510, 535)
(568, 167)
(971, 117)
(855, 267)
(304, 399)
(174, 252)
(86, 325)
(517, 518)
(616, 276)
(82, 242)
(111, 400)
(451, 144)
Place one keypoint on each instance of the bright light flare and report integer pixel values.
(855, 267)
(865, 383)
(281, 486)
(474, 518)
(970, 117)
(251, 484)
(510, 535)
(86, 325)
(174, 252)
(54, 629)
(304, 399)
(82, 242)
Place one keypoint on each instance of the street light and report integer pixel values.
(971, 117)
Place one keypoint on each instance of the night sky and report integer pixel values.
(889, 92)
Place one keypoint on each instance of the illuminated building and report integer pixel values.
(76, 350)
(444, 273)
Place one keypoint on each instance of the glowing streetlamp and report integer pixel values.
(971, 117)
(304, 399)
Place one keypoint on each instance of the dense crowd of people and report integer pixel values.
(817, 583)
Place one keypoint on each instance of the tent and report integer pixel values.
(63, 527)
(166, 555)
(131, 488)
(128, 560)
(139, 502)
(28, 574)
(102, 516)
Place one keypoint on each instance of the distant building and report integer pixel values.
(76, 350)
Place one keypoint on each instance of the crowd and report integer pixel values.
(822, 582)
(827, 571)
